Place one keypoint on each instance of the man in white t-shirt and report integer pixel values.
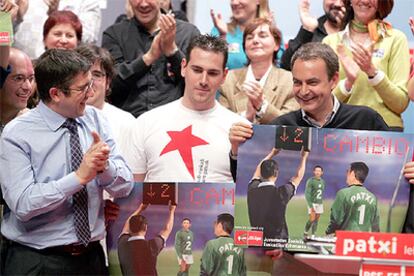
(186, 140)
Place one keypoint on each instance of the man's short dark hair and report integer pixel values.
(57, 68)
(138, 223)
(184, 219)
(268, 168)
(94, 53)
(208, 43)
(98, 54)
(227, 222)
(318, 166)
(318, 50)
(360, 170)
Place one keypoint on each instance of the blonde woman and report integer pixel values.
(374, 61)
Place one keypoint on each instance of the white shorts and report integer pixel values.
(317, 207)
(187, 258)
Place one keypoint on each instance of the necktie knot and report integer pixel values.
(71, 125)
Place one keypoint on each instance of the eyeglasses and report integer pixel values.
(83, 90)
(20, 79)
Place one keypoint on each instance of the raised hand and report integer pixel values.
(10, 7)
(309, 22)
(168, 30)
(219, 23)
(351, 68)
(95, 160)
(239, 133)
(254, 92)
(23, 6)
(154, 52)
(363, 57)
(52, 4)
(409, 171)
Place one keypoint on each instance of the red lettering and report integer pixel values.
(193, 198)
(230, 193)
(345, 141)
(326, 141)
(212, 194)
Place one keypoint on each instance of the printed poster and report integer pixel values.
(199, 202)
(277, 214)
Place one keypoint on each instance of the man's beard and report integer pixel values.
(332, 15)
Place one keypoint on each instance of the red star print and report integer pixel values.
(184, 141)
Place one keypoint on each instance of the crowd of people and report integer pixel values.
(160, 102)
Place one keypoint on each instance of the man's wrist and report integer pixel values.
(173, 51)
(83, 181)
(148, 59)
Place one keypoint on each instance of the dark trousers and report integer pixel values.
(23, 260)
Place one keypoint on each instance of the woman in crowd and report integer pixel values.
(62, 30)
(374, 61)
(243, 12)
(260, 91)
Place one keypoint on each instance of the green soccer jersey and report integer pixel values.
(220, 258)
(314, 191)
(355, 208)
(183, 242)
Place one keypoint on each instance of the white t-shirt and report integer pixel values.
(174, 143)
(118, 119)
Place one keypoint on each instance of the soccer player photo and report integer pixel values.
(351, 180)
(183, 243)
(355, 208)
(151, 233)
(220, 256)
(315, 186)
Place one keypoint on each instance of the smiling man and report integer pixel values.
(186, 140)
(314, 30)
(56, 160)
(148, 50)
(315, 73)
(17, 88)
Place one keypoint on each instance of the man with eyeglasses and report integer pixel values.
(56, 160)
(103, 71)
(17, 87)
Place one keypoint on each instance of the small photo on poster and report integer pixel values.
(175, 229)
(297, 186)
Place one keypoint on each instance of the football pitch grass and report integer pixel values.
(167, 263)
(297, 216)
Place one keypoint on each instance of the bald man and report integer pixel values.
(16, 90)
(17, 87)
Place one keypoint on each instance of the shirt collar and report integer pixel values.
(250, 75)
(135, 238)
(345, 37)
(266, 183)
(328, 119)
(53, 119)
